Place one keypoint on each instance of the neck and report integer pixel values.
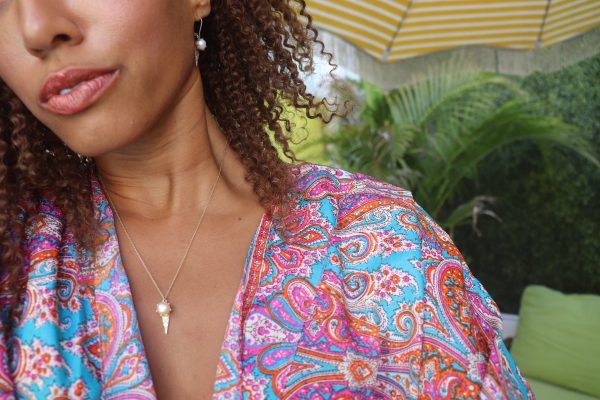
(171, 170)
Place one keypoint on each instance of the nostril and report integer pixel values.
(60, 39)
(63, 37)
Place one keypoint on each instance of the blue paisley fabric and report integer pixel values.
(365, 298)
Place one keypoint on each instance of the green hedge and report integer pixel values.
(550, 233)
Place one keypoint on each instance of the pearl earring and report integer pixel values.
(200, 42)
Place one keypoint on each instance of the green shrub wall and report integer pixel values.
(550, 232)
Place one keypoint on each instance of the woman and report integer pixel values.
(117, 122)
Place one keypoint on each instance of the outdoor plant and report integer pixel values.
(430, 135)
(550, 234)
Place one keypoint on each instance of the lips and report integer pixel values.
(73, 90)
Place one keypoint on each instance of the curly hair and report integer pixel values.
(251, 69)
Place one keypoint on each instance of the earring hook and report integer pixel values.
(200, 42)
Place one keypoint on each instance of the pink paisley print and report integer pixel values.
(364, 297)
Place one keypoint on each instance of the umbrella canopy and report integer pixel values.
(392, 30)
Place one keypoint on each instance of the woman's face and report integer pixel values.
(99, 73)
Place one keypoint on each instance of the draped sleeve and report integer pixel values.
(462, 353)
(434, 332)
(391, 311)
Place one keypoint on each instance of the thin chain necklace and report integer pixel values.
(163, 308)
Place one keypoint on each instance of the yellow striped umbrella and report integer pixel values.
(392, 30)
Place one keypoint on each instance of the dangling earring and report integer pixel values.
(200, 42)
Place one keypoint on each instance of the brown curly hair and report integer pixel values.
(252, 68)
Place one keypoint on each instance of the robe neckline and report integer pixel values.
(107, 270)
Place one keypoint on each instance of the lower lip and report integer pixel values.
(85, 95)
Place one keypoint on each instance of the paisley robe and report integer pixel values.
(365, 297)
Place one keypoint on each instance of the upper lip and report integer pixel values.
(68, 78)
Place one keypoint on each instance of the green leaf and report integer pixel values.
(430, 135)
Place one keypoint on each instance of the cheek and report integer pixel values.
(154, 28)
(17, 70)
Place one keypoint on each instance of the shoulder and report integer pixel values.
(357, 205)
(346, 197)
(42, 224)
(384, 250)
(37, 235)
(317, 182)
(378, 238)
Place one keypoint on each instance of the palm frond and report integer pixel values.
(430, 135)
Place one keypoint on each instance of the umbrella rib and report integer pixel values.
(388, 49)
(540, 38)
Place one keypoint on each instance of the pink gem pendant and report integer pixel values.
(163, 309)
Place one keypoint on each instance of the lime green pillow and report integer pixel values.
(558, 339)
(548, 391)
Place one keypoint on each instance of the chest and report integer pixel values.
(183, 363)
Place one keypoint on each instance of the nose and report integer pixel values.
(47, 25)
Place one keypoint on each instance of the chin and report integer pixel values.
(93, 146)
(94, 137)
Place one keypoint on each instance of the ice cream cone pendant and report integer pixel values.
(163, 309)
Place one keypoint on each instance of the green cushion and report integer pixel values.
(558, 339)
(547, 391)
